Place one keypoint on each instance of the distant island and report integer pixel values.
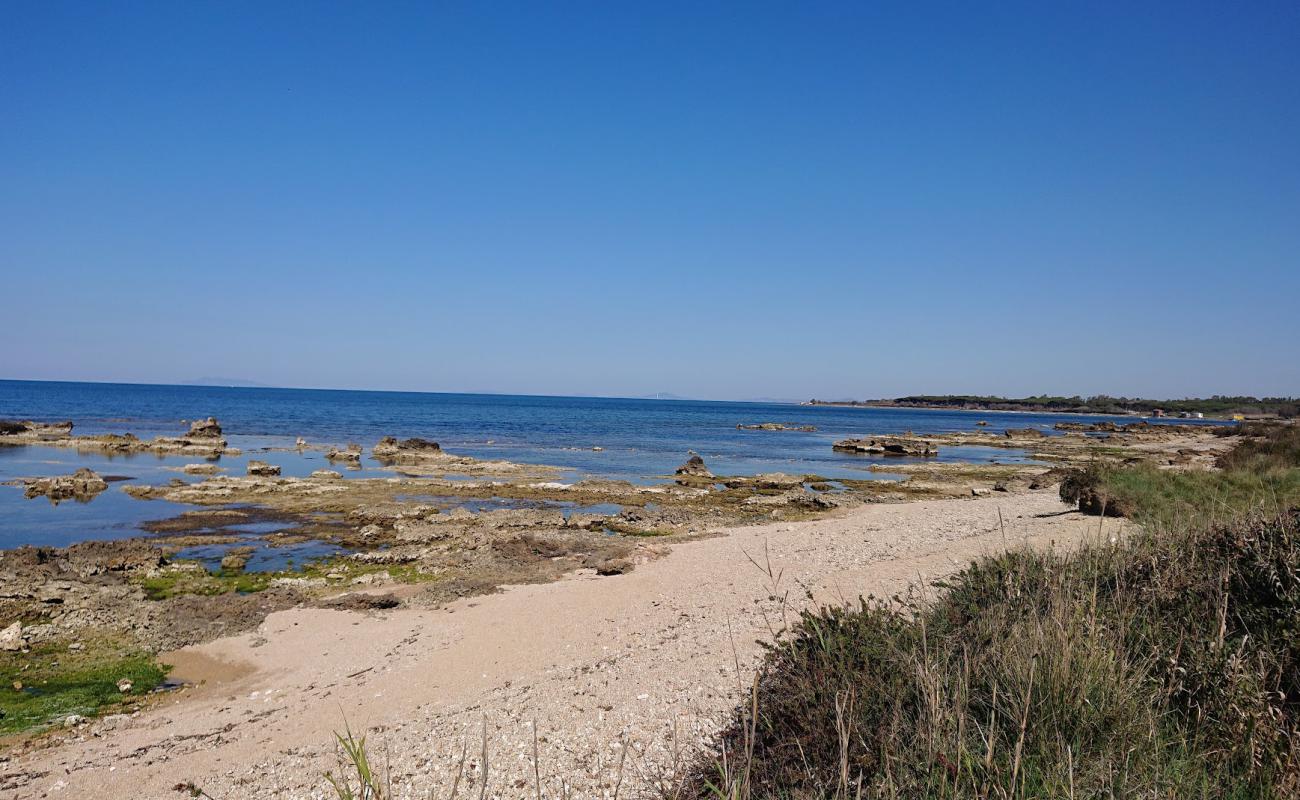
(1217, 406)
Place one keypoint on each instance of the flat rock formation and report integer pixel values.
(414, 450)
(203, 439)
(80, 485)
(777, 426)
(889, 446)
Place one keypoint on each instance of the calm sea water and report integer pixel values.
(642, 440)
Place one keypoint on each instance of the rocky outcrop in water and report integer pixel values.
(694, 468)
(352, 454)
(263, 469)
(35, 430)
(777, 426)
(80, 485)
(1024, 433)
(204, 429)
(889, 446)
(391, 450)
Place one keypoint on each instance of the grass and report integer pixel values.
(1164, 665)
(194, 580)
(42, 687)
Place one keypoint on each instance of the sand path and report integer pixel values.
(622, 675)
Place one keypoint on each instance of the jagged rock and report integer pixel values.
(204, 429)
(889, 446)
(82, 484)
(695, 468)
(263, 469)
(413, 449)
(11, 638)
(326, 474)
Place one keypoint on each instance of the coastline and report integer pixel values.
(666, 559)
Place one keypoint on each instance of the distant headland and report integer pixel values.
(1216, 406)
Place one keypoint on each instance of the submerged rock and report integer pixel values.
(82, 485)
(889, 446)
(777, 426)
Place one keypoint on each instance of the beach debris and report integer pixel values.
(263, 469)
(889, 446)
(695, 468)
(82, 485)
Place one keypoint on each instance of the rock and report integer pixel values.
(234, 562)
(263, 469)
(73, 720)
(614, 566)
(200, 469)
(597, 449)
(1000, 487)
(82, 485)
(982, 424)
(125, 685)
(1024, 433)
(326, 475)
(11, 638)
(352, 454)
(695, 468)
(979, 492)
(889, 446)
(413, 449)
(300, 443)
(204, 429)
(777, 426)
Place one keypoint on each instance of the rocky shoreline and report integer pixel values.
(445, 526)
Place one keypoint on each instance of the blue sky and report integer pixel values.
(714, 200)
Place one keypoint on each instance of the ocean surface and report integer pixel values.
(641, 440)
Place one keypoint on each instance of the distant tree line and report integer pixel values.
(1218, 405)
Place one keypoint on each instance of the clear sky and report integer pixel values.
(714, 200)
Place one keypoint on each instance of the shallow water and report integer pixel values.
(642, 440)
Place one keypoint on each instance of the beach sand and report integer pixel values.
(623, 676)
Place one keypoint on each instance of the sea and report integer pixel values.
(639, 440)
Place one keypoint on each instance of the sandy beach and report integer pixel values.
(622, 675)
